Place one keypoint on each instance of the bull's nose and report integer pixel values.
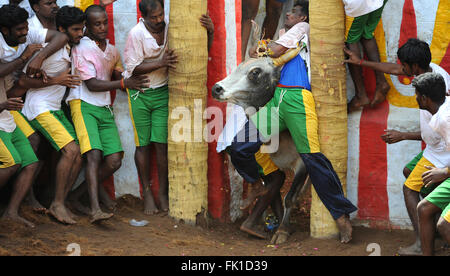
(217, 90)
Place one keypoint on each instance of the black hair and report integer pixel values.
(304, 7)
(92, 9)
(431, 85)
(33, 2)
(415, 51)
(145, 4)
(12, 15)
(68, 16)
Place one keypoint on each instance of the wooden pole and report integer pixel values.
(328, 80)
(187, 150)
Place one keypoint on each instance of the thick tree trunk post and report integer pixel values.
(328, 80)
(188, 151)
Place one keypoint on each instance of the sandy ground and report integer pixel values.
(163, 236)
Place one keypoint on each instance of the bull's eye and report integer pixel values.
(254, 74)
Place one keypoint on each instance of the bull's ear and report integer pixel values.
(286, 57)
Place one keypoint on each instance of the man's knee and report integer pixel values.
(425, 209)
(35, 140)
(443, 227)
(71, 150)
(114, 162)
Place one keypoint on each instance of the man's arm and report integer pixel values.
(391, 136)
(9, 67)
(56, 40)
(207, 23)
(169, 59)
(385, 67)
(134, 82)
(11, 104)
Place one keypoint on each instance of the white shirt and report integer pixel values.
(436, 145)
(140, 46)
(437, 150)
(8, 54)
(89, 61)
(355, 8)
(34, 23)
(235, 121)
(24, 4)
(40, 100)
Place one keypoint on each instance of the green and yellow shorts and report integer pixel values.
(362, 26)
(15, 149)
(440, 197)
(149, 113)
(293, 109)
(23, 123)
(55, 127)
(265, 163)
(95, 127)
(412, 164)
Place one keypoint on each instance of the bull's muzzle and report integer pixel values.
(217, 91)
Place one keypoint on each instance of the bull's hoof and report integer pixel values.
(281, 236)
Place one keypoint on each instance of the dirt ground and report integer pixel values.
(163, 236)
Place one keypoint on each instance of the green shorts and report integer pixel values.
(15, 149)
(364, 26)
(96, 127)
(149, 113)
(55, 127)
(440, 197)
(293, 109)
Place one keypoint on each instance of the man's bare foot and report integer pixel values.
(71, 215)
(149, 204)
(412, 250)
(17, 218)
(164, 202)
(345, 228)
(253, 230)
(99, 215)
(59, 212)
(380, 94)
(35, 205)
(107, 202)
(257, 190)
(77, 206)
(357, 103)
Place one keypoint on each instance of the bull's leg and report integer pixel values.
(274, 183)
(299, 185)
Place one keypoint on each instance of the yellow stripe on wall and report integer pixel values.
(83, 4)
(80, 126)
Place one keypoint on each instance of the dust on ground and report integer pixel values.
(164, 236)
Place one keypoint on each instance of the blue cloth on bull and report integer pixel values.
(295, 74)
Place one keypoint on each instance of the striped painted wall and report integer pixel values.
(374, 179)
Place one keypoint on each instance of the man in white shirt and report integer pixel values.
(430, 94)
(17, 45)
(45, 14)
(98, 64)
(146, 53)
(415, 60)
(43, 109)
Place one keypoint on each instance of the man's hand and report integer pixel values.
(12, 104)
(434, 175)
(66, 79)
(253, 51)
(136, 82)
(169, 59)
(207, 23)
(352, 57)
(391, 136)
(29, 51)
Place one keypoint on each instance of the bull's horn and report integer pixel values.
(287, 56)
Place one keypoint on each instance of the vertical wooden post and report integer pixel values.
(328, 80)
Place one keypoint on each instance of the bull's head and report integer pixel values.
(251, 84)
